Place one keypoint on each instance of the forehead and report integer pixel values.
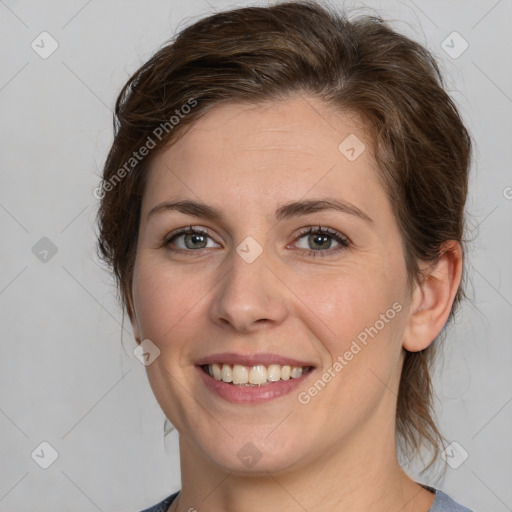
(279, 151)
(299, 124)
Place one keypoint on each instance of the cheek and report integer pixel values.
(350, 301)
(164, 301)
(361, 348)
(362, 321)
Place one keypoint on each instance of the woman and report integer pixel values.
(283, 209)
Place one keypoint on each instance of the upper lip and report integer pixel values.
(251, 359)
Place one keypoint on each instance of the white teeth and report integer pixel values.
(225, 374)
(254, 375)
(296, 372)
(258, 375)
(240, 374)
(217, 373)
(274, 372)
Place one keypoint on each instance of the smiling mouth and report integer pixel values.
(256, 375)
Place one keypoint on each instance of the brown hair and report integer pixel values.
(257, 54)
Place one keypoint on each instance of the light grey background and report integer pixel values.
(67, 377)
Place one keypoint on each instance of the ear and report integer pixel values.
(432, 299)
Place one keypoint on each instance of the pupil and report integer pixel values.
(196, 239)
(317, 239)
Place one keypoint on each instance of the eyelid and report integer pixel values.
(342, 239)
(166, 239)
(324, 230)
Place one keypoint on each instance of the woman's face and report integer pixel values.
(254, 286)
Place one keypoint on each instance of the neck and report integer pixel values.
(355, 476)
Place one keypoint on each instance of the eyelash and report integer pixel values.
(342, 240)
(319, 230)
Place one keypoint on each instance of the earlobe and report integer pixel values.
(433, 298)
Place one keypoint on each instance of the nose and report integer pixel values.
(250, 295)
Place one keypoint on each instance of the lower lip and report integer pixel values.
(251, 394)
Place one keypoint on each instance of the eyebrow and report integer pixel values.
(285, 211)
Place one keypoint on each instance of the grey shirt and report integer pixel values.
(442, 503)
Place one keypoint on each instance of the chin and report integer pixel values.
(255, 457)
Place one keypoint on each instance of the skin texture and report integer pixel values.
(336, 452)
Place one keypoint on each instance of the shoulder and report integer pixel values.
(163, 505)
(443, 503)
